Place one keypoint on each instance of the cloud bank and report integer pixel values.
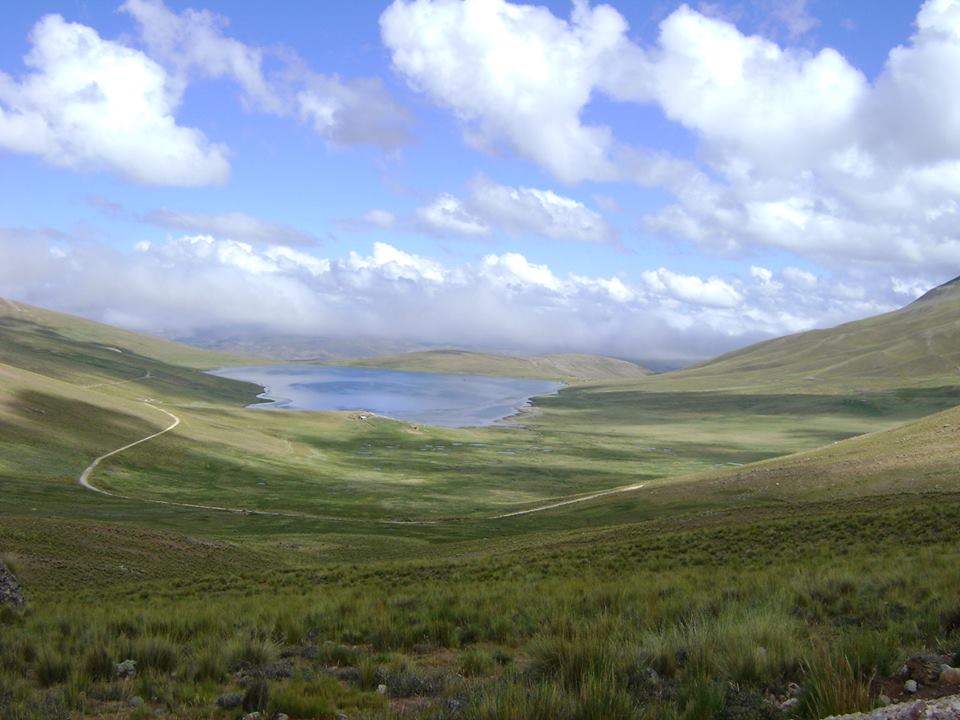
(500, 301)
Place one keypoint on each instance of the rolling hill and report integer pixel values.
(31, 330)
(561, 366)
(918, 345)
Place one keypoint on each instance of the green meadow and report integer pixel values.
(699, 541)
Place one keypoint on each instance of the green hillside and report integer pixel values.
(38, 330)
(918, 345)
(563, 366)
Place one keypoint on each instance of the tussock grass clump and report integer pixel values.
(321, 698)
(603, 698)
(367, 673)
(701, 699)
(257, 696)
(832, 685)
(97, 662)
(151, 653)
(568, 659)
(475, 662)
(51, 667)
(521, 701)
(305, 700)
(251, 652)
(209, 663)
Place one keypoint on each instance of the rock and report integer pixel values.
(949, 675)
(884, 700)
(229, 701)
(126, 669)
(252, 716)
(925, 669)
(280, 716)
(789, 703)
(381, 689)
(347, 674)
(651, 676)
(10, 593)
(135, 701)
(910, 686)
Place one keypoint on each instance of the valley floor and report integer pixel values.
(638, 548)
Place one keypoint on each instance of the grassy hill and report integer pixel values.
(775, 533)
(918, 345)
(28, 329)
(562, 366)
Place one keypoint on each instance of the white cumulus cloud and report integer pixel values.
(796, 148)
(95, 104)
(692, 289)
(447, 215)
(517, 211)
(515, 75)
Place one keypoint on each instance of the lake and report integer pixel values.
(426, 398)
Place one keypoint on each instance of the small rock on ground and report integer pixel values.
(946, 708)
(229, 701)
(10, 593)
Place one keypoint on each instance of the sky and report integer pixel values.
(646, 179)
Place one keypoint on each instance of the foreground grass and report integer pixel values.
(686, 619)
(658, 620)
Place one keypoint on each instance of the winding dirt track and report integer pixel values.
(145, 376)
(84, 478)
(84, 481)
(561, 503)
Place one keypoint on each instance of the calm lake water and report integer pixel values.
(427, 398)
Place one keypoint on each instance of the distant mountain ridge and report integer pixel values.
(558, 366)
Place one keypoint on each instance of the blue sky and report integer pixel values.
(645, 179)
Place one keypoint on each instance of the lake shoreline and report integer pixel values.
(436, 399)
